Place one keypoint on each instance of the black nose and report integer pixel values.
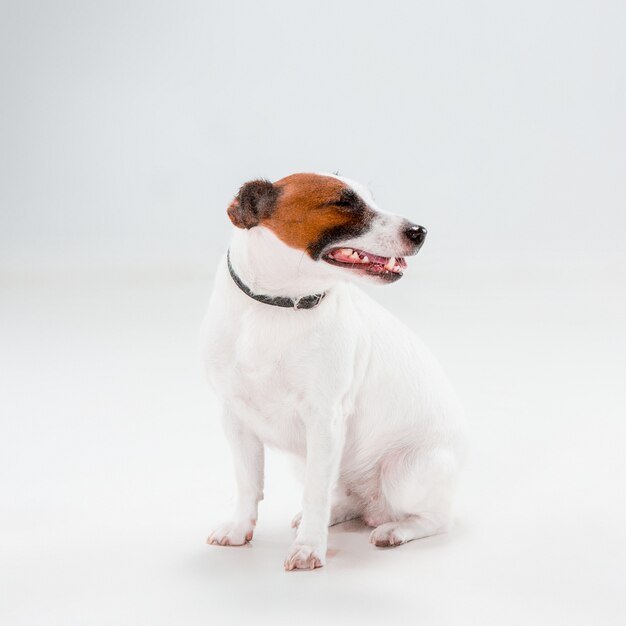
(416, 234)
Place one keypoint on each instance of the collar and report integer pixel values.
(306, 302)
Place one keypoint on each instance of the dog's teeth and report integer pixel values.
(390, 263)
(354, 256)
(346, 251)
(365, 259)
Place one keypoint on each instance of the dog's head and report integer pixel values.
(333, 221)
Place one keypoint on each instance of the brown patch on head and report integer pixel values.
(312, 211)
(305, 211)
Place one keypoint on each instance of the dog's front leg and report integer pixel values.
(248, 458)
(324, 445)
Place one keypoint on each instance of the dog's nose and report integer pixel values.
(416, 234)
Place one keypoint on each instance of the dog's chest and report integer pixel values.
(266, 373)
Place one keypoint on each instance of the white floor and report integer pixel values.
(114, 468)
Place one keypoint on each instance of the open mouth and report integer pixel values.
(387, 268)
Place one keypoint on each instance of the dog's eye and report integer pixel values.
(348, 204)
(348, 200)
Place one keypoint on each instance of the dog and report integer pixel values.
(304, 361)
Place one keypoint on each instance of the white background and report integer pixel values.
(125, 129)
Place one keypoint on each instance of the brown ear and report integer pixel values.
(255, 201)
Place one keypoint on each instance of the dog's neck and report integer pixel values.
(269, 267)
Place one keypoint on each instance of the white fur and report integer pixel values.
(345, 386)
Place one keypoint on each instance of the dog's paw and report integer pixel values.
(304, 556)
(388, 535)
(232, 534)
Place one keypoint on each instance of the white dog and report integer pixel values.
(306, 362)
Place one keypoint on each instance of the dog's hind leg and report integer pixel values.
(344, 507)
(416, 493)
(407, 529)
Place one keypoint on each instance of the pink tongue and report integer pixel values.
(373, 258)
(377, 259)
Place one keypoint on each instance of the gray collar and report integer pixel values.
(306, 302)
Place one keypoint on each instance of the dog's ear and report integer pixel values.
(255, 201)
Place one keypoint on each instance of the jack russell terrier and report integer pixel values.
(306, 362)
